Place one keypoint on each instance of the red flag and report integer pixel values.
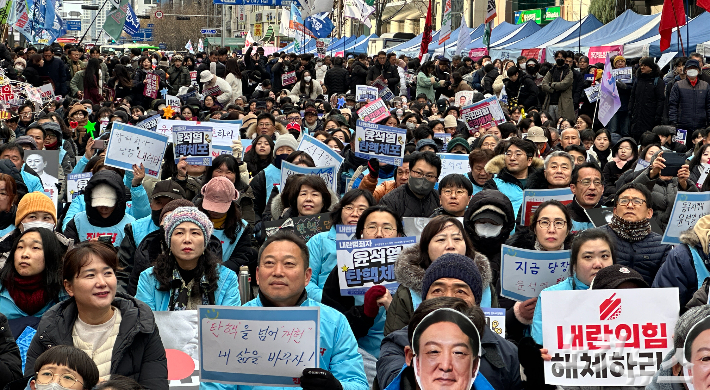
(703, 3)
(426, 37)
(672, 16)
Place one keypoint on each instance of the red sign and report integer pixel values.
(598, 53)
(538, 54)
(477, 54)
(6, 93)
(159, 14)
(151, 85)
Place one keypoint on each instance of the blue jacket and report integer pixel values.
(565, 285)
(82, 230)
(684, 269)
(138, 207)
(11, 311)
(645, 256)
(322, 259)
(32, 182)
(227, 293)
(141, 228)
(407, 375)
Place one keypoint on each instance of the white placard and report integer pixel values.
(688, 208)
(365, 93)
(524, 273)
(223, 133)
(453, 163)
(129, 145)
(463, 98)
(321, 153)
(666, 58)
(165, 126)
(328, 174)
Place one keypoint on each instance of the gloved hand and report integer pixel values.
(237, 148)
(319, 379)
(371, 297)
(374, 166)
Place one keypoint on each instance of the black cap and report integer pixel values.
(168, 188)
(613, 276)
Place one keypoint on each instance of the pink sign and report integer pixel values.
(538, 54)
(476, 54)
(374, 112)
(598, 53)
(151, 85)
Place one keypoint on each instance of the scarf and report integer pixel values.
(181, 297)
(52, 146)
(219, 222)
(29, 293)
(630, 231)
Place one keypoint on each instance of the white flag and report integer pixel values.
(312, 7)
(248, 41)
(359, 10)
(284, 28)
(189, 47)
(464, 37)
(200, 46)
(445, 32)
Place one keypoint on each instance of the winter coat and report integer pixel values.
(577, 87)
(499, 363)
(138, 352)
(350, 165)
(388, 71)
(322, 260)
(133, 234)
(569, 284)
(31, 75)
(559, 81)
(506, 183)
(405, 204)
(410, 276)
(662, 194)
(488, 81)
(224, 93)
(178, 78)
(358, 75)
(477, 79)
(336, 80)
(646, 102)
(139, 87)
(689, 106)
(56, 70)
(311, 93)
(9, 308)
(580, 220)
(10, 361)
(523, 90)
(645, 256)
(425, 86)
(611, 173)
(252, 130)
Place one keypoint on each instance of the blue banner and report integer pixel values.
(132, 24)
(524, 273)
(320, 25)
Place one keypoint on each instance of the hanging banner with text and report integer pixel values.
(598, 53)
(130, 145)
(524, 273)
(486, 113)
(688, 208)
(381, 142)
(533, 198)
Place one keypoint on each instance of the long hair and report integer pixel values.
(206, 265)
(223, 159)
(434, 227)
(10, 188)
(52, 263)
(91, 74)
(232, 66)
(251, 155)
(304, 83)
(121, 74)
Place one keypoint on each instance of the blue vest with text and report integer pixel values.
(88, 231)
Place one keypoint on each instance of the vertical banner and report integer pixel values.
(445, 32)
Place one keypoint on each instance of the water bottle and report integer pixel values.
(244, 285)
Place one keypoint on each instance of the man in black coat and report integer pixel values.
(522, 88)
(55, 69)
(358, 72)
(336, 78)
(384, 69)
(647, 98)
(417, 198)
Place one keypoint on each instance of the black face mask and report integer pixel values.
(560, 61)
(155, 216)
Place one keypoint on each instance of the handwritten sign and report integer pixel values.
(193, 142)
(381, 142)
(592, 93)
(256, 345)
(607, 337)
(223, 132)
(328, 174)
(165, 126)
(366, 263)
(130, 145)
(624, 75)
(76, 182)
(524, 273)
(533, 198)
(151, 85)
(463, 98)
(688, 208)
(486, 113)
(149, 123)
(365, 93)
(453, 163)
(288, 78)
(321, 153)
(495, 319)
(305, 227)
(47, 92)
(374, 112)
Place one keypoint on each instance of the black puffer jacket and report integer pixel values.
(10, 362)
(358, 75)
(405, 204)
(688, 105)
(524, 90)
(336, 79)
(645, 256)
(646, 102)
(138, 352)
(388, 71)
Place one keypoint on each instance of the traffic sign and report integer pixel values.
(208, 31)
(159, 14)
(150, 25)
(162, 46)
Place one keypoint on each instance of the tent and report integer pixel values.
(360, 47)
(695, 36)
(500, 33)
(411, 47)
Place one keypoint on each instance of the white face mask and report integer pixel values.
(487, 230)
(692, 73)
(19, 67)
(307, 79)
(411, 126)
(37, 224)
(50, 386)
(522, 66)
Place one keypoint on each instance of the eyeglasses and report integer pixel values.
(66, 380)
(517, 154)
(587, 182)
(420, 174)
(635, 201)
(449, 192)
(386, 229)
(264, 125)
(558, 224)
(350, 209)
(293, 118)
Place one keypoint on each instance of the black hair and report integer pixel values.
(648, 138)
(507, 129)
(576, 148)
(559, 205)
(118, 382)
(587, 164)
(587, 135)
(526, 146)
(456, 180)
(698, 156)
(287, 235)
(12, 146)
(584, 236)
(72, 357)
(380, 208)
(638, 187)
(226, 159)
(302, 157)
(428, 157)
(349, 197)
(422, 132)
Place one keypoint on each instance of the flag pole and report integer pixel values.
(92, 22)
(680, 36)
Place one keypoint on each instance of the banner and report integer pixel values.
(624, 75)
(258, 346)
(193, 142)
(609, 100)
(76, 182)
(151, 85)
(478, 53)
(688, 208)
(533, 198)
(321, 153)
(592, 93)
(524, 273)
(486, 113)
(115, 21)
(453, 163)
(599, 53)
(538, 54)
(319, 25)
(365, 93)
(328, 174)
(359, 10)
(374, 112)
(129, 145)
(132, 24)
(381, 142)
(607, 337)
(304, 227)
(366, 263)
(490, 11)
(445, 31)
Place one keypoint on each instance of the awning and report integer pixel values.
(269, 34)
(230, 42)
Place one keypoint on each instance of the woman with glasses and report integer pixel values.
(66, 366)
(443, 234)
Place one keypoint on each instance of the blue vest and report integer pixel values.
(700, 269)
(579, 226)
(512, 191)
(273, 177)
(227, 245)
(31, 181)
(141, 228)
(87, 231)
(8, 229)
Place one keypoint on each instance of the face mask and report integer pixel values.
(50, 386)
(692, 73)
(560, 61)
(411, 126)
(488, 230)
(19, 67)
(400, 113)
(307, 79)
(350, 107)
(37, 224)
(522, 66)
(154, 62)
(155, 216)
(486, 63)
(279, 158)
(420, 185)
(88, 110)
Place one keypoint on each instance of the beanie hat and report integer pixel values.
(21, 60)
(618, 58)
(285, 140)
(173, 204)
(457, 141)
(187, 214)
(426, 142)
(450, 121)
(686, 322)
(26, 140)
(455, 266)
(32, 202)
(53, 127)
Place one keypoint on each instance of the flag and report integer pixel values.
(445, 32)
(189, 48)
(704, 4)
(487, 34)
(248, 41)
(464, 37)
(312, 7)
(115, 20)
(200, 46)
(490, 11)
(609, 101)
(20, 19)
(5, 9)
(426, 37)
(359, 10)
(284, 27)
(672, 16)
(132, 24)
(319, 25)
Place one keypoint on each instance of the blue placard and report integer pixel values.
(194, 142)
(524, 273)
(381, 142)
(208, 31)
(73, 25)
(328, 174)
(688, 208)
(162, 46)
(225, 336)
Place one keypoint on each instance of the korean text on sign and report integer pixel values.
(607, 337)
(321, 153)
(486, 113)
(688, 208)
(533, 198)
(257, 345)
(453, 163)
(76, 182)
(366, 263)
(374, 112)
(328, 174)
(193, 142)
(151, 85)
(223, 132)
(130, 145)
(382, 142)
(524, 273)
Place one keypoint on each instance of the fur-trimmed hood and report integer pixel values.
(280, 129)
(278, 208)
(689, 237)
(497, 164)
(411, 275)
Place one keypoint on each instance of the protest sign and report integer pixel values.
(598, 53)
(533, 198)
(76, 182)
(258, 346)
(365, 93)
(381, 142)
(366, 263)
(193, 142)
(445, 138)
(130, 145)
(453, 163)
(150, 88)
(463, 98)
(47, 92)
(486, 113)
(321, 153)
(592, 93)
(46, 164)
(524, 273)
(704, 170)
(328, 174)
(688, 208)
(165, 126)
(345, 232)
(149, 123)
(193, 77)
(304, 227)
(607, 337)
(495, 319)
(288, 78)
(666, 58)
(223, 132)
(374, 112)
(218, 150)
(538, 54)
(172, 101)
(625, 75)
(413, 226)
(478, 53)
(383, 90)
(180, 337)
(680, 136)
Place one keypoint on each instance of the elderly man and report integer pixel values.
(689, 101)
(15, 153)
(588, 187)
(569, 137)
(557, 173)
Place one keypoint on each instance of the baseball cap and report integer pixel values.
(613, 276)
(103, 195)
(218, 195)
(169, 189)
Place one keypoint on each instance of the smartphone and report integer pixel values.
(674, 161)
(107, 238)
(99, 144)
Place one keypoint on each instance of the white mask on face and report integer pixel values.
(50, 386)
(37, 224)
(487, 230)
(692, 73)
(307, 78)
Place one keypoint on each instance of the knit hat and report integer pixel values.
(614, 275)
(164, 63)
(285, 140)
(177, 57)
(618, 58)
(536, 134)
(53, 127)
(457, 141)
(218, 194)
(21, 60)
(35, 201)
(450, 121)
(187, 214)
(103, 195)
(173, 204)
(426, 142)
(454, 266)
(77, 107)
(26, 140)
